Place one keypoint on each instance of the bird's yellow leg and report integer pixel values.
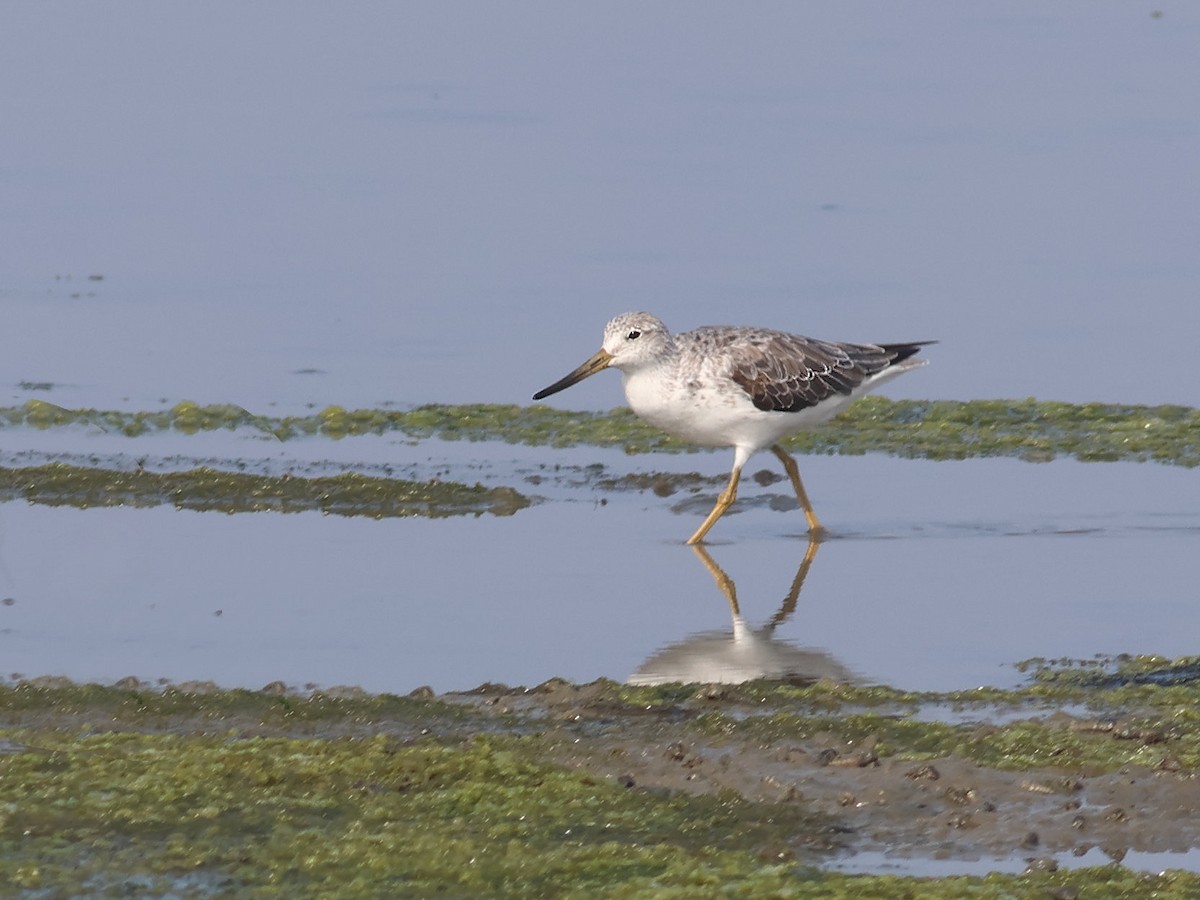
(724, 501)
(793, 471)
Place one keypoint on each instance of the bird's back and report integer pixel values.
(782, 372)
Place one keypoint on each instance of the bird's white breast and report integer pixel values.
(708, 411)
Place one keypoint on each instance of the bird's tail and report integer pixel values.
(902, 352)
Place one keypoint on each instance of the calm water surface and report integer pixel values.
(291, 203)
(284, 206)
(939, 576)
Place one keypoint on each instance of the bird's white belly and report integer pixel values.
(714, 411)
(712, 417)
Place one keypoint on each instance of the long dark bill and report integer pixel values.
(591, 367)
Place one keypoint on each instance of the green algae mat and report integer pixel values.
(557, 791)
(942, 429)
(1027, 429)
(348, 494)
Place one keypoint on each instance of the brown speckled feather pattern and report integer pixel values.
(783, 372)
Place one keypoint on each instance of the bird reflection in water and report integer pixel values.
(745, 653)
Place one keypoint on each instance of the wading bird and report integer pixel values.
(746, 388)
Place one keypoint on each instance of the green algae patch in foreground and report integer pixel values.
(1029, 429)
(562, 790)
(57, 484)
(355, 817)
(201, 816)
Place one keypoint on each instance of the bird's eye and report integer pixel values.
(634, 335)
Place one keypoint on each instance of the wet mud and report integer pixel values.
(1042, 783)
(787, 779)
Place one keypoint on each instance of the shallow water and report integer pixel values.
(286, 203)
(883, 863)
(410, 211)
(937, 575)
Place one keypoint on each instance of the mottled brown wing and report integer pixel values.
(787, 373)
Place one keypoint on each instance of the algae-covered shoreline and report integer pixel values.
(935, 430)
(570, 790)
(928, 429)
